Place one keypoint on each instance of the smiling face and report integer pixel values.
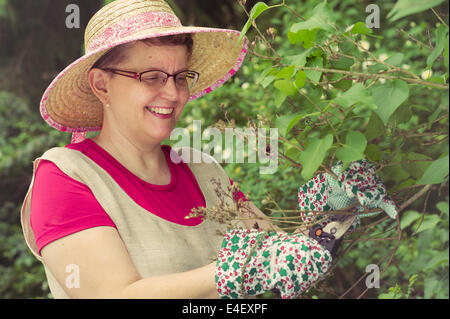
(134, 105)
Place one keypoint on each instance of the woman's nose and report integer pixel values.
(170, 90)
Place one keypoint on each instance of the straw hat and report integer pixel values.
(69, 104)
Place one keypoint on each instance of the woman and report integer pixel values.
(106, 215)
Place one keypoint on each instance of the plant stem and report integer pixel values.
(439, 17)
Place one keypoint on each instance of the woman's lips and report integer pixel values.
(161, 116)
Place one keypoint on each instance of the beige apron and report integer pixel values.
(156, 246)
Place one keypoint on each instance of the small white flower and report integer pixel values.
(349, 27)
(364, 45)
(365, 64)
(406, 67)
(426, 74)
(383, 56)
(382, 81)
(408, 43)
(245, 86)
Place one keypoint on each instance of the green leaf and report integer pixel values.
(402, 114)
(388, 97)
(300, 79)
(395, 59)
(343, 85)
(264, 74)
(441, 41)
(395, 173)
(308, 37)
(286, 122)
(436, 172)
(3, 9)
(355, 144)
(257, 9)
(361, 28)
(286, 86)
(286, 73)
(356, 94)
(267, 80)
(406, 183)
(279, 98)
(438, 259)
(343, 63)
(314, 75)
(442, 106)
(293, 153)
(419, 166)
(404, 8)
(428, 222)
(446, 54)
(373, 152)
(299, 59)
(314, 154)
(322, 18)
(408, 218)
(443, 207)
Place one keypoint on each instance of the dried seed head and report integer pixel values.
(272, 32)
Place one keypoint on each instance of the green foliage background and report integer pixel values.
(400, 125)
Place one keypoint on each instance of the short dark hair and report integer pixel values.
(118, 54)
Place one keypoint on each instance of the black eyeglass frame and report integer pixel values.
(138, 76)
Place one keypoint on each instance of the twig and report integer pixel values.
(414, 197)
(415, 40)
(439, 18)
(392, 254)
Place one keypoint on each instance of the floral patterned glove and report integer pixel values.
(252, 262)
(359, 183)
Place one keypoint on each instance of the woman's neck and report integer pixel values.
(148, 162)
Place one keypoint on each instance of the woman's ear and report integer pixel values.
(98, 80)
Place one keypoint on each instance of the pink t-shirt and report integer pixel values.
(61, 206)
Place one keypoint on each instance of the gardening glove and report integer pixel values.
(359, 183)
(251, 262)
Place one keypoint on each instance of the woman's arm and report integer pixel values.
(106, 270)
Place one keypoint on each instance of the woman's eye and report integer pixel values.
(149, 78)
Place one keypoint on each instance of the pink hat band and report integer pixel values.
(131, 25)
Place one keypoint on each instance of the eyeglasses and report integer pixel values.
(157, 79)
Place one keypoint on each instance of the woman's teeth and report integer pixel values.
(159, 110)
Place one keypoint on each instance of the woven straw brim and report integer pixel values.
(69, 104)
